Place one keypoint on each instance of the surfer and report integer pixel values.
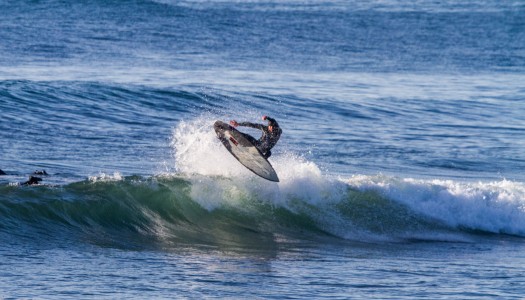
(270, 134)
(32, 181)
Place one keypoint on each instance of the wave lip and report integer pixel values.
(494, 207)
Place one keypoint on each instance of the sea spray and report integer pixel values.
(197, 151)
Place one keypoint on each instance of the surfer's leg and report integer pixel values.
(251, 139)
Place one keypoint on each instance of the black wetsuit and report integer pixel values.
(268, 138)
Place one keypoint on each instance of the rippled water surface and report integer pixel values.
(400, 161)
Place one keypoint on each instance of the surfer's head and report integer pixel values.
(271, 122)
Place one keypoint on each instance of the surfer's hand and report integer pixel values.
(234, 123)
(264, 118)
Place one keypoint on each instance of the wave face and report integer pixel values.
(167, 211)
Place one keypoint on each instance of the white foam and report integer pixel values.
(497, 207)
(103, 177)
(198, 151)
(303, 179)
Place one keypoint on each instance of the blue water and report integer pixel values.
(401, 160)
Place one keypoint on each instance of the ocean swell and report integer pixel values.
(173, 210)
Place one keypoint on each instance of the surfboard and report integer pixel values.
(244, 151)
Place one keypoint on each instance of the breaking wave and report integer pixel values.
(210, 199)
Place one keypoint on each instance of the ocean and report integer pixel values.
(400, 164)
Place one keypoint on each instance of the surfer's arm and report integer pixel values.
(271, 121)
(252, 125)
(246, 124)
